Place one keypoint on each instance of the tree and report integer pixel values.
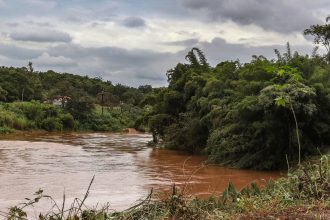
(321, 34)
(289, 92)
(145, 89)
(3, 94)
(80, 106)
(106, 99)
(30, 67)
(157, 125)
(198, 61)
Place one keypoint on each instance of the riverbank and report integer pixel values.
(304, 194)
(39, 117)
(33, 133)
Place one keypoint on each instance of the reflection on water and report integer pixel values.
(125, 169)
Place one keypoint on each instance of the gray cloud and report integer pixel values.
(36, 21)
(39, 24)
(129, 67)
(18, 53)
(186, 43)
(219, 50)
(48, 61)
(137, 67)
(41, 4)
(41, 35)
(133, 22)
(2, 3)
(12, 24)
(279, 15)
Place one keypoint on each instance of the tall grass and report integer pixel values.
(11, 120)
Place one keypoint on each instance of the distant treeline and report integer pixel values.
(24, 84)
(263, 114)
(55, 102)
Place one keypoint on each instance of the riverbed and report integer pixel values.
(125, 169)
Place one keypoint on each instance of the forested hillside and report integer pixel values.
(24, 84)
(55, 102)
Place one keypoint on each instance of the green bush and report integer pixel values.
(52, 124)
(6, 118)
(68, 121)
(5, 130)
(36, 115)
(31, 110)
(21, 123)
(96, 122)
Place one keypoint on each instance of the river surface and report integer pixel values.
(125, 169)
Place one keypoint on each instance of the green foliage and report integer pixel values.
(245, 115)
(68, 121)
(157, 125)
(3, 94)
(321, 34)
(80, 106)
(23, 84)
(71, 101)
(9, 120)
(33, 115)
(5, 130)
(36, 115)
(52, 124)
(98, 122)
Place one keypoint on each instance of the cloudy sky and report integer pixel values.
(134, 42)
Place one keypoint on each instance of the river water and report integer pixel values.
(125, 169)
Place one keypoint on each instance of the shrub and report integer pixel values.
(6, 118)
(68, 121)
(98, 122)
(52, 124)
(21, 123)
(5, 130)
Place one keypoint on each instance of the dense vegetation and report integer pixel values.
(39, 116)
(52, 101)
(260, 114)
(25, 84)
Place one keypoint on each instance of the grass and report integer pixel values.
(304, 194)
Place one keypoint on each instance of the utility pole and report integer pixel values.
(22, 94)
(102, 103)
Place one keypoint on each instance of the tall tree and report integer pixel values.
(321, 34)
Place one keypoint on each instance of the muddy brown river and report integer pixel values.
(125, 169)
